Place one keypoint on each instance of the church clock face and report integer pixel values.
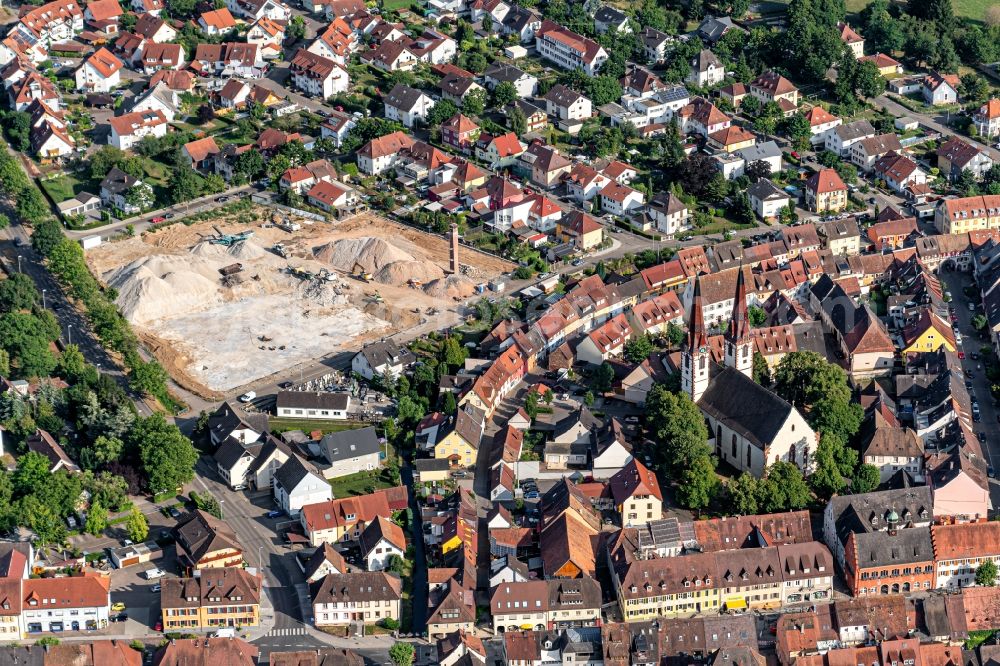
(703, 349)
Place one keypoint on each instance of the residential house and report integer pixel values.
(821, 122)
(99, 73)
(546, 604)
(987, 119)
(154, 29)
(582, 230)
(215, 598)
(706, 70)
(941, 88)
(461, 444)
(499, 151)
(381, 540)
(887, 66)
(188, 651)
(636, 494)
(77, 603)
(655, 44)
(350, 451)
(621, 200)
(103, 15)
(842, 137)
(609, 19)
(50, 141)
(866, 152)
(825, 192)
(269, 35)
(568, 49)
(325, 560)
(713, 28)
(345, 519)
(407, 105)
(566, 104)
(899, 172)
(127, 130)
(960, 549)
(160, 97)
(891, 448)
(382, 358)
(226, 421)
(668, 214)
(376, 157)
(773, 87)
(229, 59)
(365, 597)
(460, 132)
(955, 156)
(545, 164)
(298, 483)
(315, 75)
(854, 41)
(43, 443)
(312, 405)
(200, 154)
(206, 542)
(152, 57)
(767, 199)
(118, 192)
(604, 342)
(525, 84)
(217, 22)
(331, 197)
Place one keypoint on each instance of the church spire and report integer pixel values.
(739, 340)
(739, 323)
(696, 326)
(694, 371)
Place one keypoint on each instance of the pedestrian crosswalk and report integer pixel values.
(287, 631)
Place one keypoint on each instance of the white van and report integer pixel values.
(154, 573)
(225, 632)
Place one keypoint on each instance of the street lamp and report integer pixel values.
(18, 263)
(69, 333)
(43, 298)
(260, 560)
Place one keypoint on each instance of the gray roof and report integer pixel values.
(271, 444)
(745, 406)
(652, 37)
(906, 546)
(855, 130)
(231, 450)
(764, 189)
(118, 181)
(290, 474)
(866, 512)
(228, 418)
(760, 151)
(562, 96)
(432, 464)
(386, 352)
(712, 29)
(610, 15)
(347, 444)
(32, 655)
(704, 60)
(313, 400)
(501, 71)
(403, 97)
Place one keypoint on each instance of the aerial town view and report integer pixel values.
(500, 333)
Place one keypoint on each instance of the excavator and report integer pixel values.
(361, 274)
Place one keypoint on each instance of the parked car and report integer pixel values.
(158, 626)
(156, 588)
(121, 617)
(158, 219)
(277, 513)
(248, 396)
(285, 385)
(155, 573)
(118, 607)
(174, 512)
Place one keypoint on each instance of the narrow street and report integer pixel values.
(418, 612)
(935, 123)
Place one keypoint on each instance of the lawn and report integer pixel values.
(361, 483)
(283, 425)
(63, 187)
(973, 9)
(397, 5)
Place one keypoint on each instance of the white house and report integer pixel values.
(706, 70)
(99, 73)
(318, 76)
(567, 104)
(669, 214)
(381, 540)
(381, 358)
(51, 141)
(129, 129)
(842, 138)
(767, 199)
(987, 119)
(407, 105)
(525, 84)
(78, 603)
(605, 342)
(350, 451)
(159, 98)
(233, 460)
(268, 34)
(313, 405)
(568, 49)
(941, 88)
(368, 597)
(618, 199)
(297, 483)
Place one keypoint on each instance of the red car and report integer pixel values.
(961, 355)
(158, 219)
(795, 155)
(158, 626)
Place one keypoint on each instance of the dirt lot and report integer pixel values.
(216, 333)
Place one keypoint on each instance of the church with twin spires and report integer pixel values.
(752, 426)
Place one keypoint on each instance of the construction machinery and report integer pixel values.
(375, 298)
(279, 249)
(288, 225)
(229, 239)
(326, 275)
(301, 273)
(361, 274)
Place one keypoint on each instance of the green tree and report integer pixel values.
(974, 89)
(743, 209)
(638, 349)
(531, 405)
(148, 377)
(474, 104)
(249, 164)
(296, 29)
(798, 130)
(827, 480)
(72, 364)
(45, 236)
(679, 427)
(166, 455)
(504, 94)
(761, 370)
(675, 334)
(699, 484)
(17, 293)
(137, 527)
(603, 90)
(448, 403)
(440, 112)
(784, 488)
(184, 184)
(986, 574)
(744, 495)
(26, 338)
(102, 451)
(866, 479)
(401, 653)
(32, 472)
(97, 519)
(604, 376)
(805, 378)
(395, 564)
(516, 121)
